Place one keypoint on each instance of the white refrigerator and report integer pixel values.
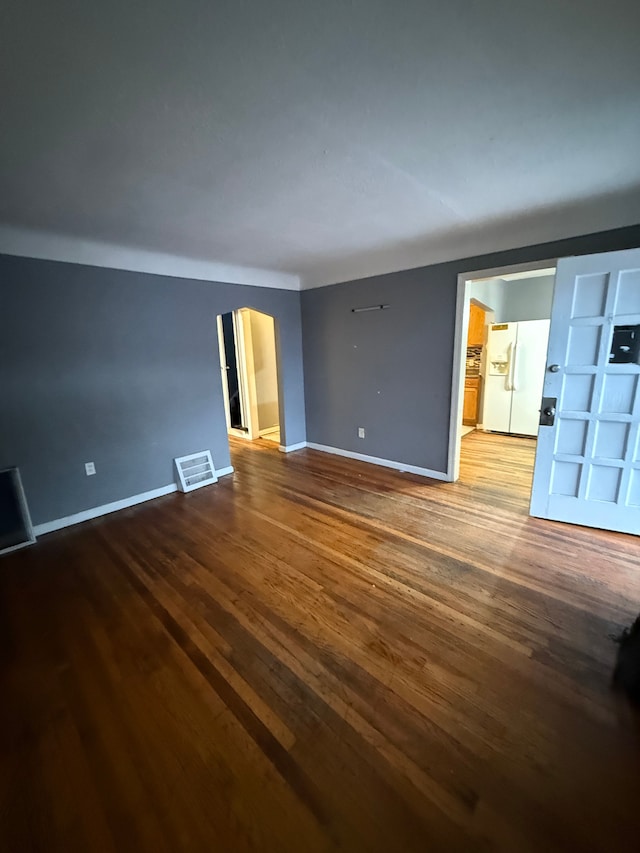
(514, 375)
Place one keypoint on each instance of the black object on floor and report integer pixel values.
(626, 675)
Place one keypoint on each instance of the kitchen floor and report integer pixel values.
(506, 460)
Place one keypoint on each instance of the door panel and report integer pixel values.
(470, 409)
(587, 464)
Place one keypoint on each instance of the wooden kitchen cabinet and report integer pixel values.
(471, 400)
(475, 337)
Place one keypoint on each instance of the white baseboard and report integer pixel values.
(222, 472)
(289, 448)
(105, 509)
(18, 546)
(268, 430)
(376, 460)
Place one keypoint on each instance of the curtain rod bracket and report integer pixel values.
(369, 308)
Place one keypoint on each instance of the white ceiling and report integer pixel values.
(326, 140)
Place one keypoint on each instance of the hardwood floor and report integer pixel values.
(317, 654)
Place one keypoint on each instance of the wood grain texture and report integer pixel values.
(318, 654)
(476, 330)
(471, 400)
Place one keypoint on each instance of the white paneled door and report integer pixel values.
(588, 456)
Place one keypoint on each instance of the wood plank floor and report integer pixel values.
(317, 654)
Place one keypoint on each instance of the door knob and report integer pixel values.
(549, 411)
(554, 368)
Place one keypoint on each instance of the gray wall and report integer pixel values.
(527, 299)
(491, 292)
(391, 371)
(121, 369)
(512, 301)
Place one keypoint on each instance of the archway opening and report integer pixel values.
(250, 374)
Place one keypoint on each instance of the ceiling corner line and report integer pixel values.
(47, 246)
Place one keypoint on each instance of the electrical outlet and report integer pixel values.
(90, 468)
(360, 432)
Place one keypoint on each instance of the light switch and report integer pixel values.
(90, 468)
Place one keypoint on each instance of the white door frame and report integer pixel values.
(460, 351)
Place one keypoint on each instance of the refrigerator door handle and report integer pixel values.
(513, 384)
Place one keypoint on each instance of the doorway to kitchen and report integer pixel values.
(500, 362)
(250, 376)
